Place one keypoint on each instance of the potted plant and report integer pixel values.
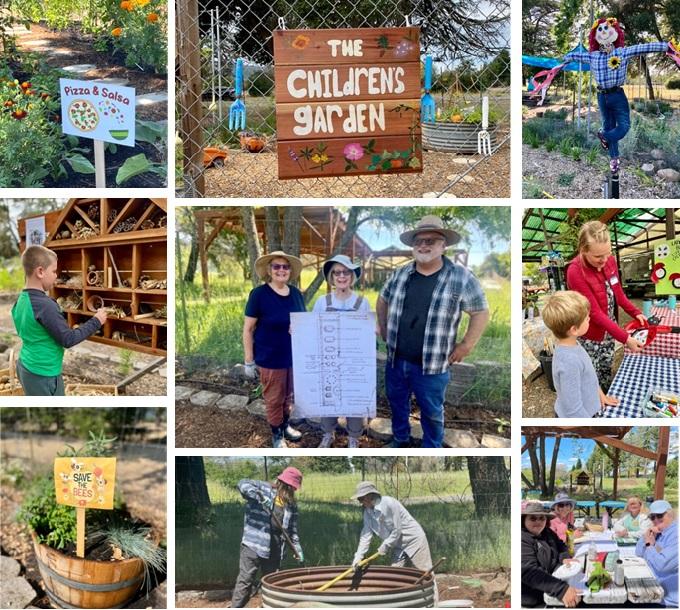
(120, 556)
(455, 130)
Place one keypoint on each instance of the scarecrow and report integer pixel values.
(608, 59)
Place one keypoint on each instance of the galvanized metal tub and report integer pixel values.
(378, 587)
(454, 137)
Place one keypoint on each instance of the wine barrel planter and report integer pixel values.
(72, 582)
(454, 137)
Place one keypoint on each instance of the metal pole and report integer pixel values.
(212, 54)
(219, 64)
(590, 72)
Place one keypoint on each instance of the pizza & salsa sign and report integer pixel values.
(85, 482)
(347, 101)
(98, 110)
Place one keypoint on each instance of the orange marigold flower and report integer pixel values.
(9, 104)
(126, 5)
(301, 42)
(152, 17)
(116, 32)
(19, 114)
(141, 3)
(25, 85)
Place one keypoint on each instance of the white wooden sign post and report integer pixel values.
(101, 112)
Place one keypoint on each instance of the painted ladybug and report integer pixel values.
(675, 280)
(658, 272)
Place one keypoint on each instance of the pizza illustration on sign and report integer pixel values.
(83, 115)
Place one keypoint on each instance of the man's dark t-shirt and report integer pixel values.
(411, 334)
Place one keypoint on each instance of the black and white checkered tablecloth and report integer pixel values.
(636, 377)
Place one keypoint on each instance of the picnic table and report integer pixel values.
(636, 377)
(611, 506)
(640, 585)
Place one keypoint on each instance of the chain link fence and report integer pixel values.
(437, 491)
(469, 42)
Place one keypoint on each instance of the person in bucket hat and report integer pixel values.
(341, 274)
(563, 508)
(419, 310)
(402, 536)
(659, 547)
(269, 508)
(267, 342)
(542, 553)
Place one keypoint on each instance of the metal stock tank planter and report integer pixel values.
(454, 137)
(72, 582)
(379, 586)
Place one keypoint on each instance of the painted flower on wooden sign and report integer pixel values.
(301, 42)
(317, 155)
(353, 151)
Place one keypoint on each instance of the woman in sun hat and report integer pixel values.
(341, 274)
(563, 509)
(269, 508)
(542, 553)
(266, 338)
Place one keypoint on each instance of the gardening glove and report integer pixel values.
(267, 503)
(301, 556)
(355, 562)
(249, 370)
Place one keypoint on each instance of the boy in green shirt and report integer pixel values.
(42, 326)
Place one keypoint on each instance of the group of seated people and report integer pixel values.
(548, 532)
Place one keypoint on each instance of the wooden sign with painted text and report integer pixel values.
(85, 482)
(347, 101)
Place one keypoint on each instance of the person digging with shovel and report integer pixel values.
(270, 523)
(401, 535)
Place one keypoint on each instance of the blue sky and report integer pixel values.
(478, 246)
(568, 455)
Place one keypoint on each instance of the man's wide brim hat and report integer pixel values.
(432, 224)
(262, 264)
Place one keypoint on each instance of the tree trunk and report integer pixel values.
(544, 484)
(192, 263)
(490, 482)
(553, 466)
(350, 230)
(648, 77)
(191, 490)
(252, 241)
(272, 228)
(535, 466)
(292, 222)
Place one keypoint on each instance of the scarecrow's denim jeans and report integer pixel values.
(404, 378)
(615, 114)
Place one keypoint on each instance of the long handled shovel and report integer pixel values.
(426, 574)
(347, 572)
(285, 535)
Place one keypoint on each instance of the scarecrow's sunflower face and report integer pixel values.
(614, 62)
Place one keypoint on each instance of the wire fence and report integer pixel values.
(468, 40)
(438, 492)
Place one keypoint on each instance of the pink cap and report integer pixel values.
(291, 476)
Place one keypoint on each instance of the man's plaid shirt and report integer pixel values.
(457, 290)
(601, 63)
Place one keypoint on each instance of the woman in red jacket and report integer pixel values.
(593, 273)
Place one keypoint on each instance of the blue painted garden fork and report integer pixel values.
(237, 111)
(427, 104)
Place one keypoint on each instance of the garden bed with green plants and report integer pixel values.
(126, 44)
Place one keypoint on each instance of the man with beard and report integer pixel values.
(419, 310)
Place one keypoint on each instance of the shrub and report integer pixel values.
(673, 82)
(260, 84)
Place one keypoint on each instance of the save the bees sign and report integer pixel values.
(85, 482)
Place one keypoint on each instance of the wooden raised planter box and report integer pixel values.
(71, 582)
(454, 137)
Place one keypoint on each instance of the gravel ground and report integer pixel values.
(255, 175)
(543, 168)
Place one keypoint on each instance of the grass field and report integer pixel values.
(11, 275)
(214, 329)
(329, 532)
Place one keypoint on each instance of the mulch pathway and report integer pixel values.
(255, 175)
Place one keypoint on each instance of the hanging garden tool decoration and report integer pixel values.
(608, 59)
(427, 103)
(483, 137)
(645, 332)
(237, 111)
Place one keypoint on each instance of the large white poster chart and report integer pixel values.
(334, 364)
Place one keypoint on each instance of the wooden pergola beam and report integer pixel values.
(662, 458)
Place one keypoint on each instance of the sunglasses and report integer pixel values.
(536, 517)
(277, 266)
(563, 504)
(656, 516)
(338, 272)
(426, 241)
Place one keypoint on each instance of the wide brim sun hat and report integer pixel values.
(262, 264)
